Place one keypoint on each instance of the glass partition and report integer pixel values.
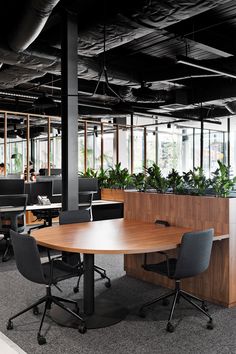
(187, 149)
(151, 145)
(138, 153)
(16, 145)
(124, 147)
(81, 166)
(217, 149)
(169, 149)
(55, 148)
(108, 146)
(39, 145)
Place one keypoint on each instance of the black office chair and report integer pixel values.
(86, 199)
(29, 265)
(193, 259)
(14, 220)
(79, 216)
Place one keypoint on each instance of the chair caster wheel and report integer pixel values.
(142, 313)
(210, 324)
(36, 311)
(165, 302)
(108, 284)
(170, 328)
(41, 340)
(82, 329)
(76, 289)
(9, 325)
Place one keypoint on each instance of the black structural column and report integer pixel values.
(69, 100)
(88, 284)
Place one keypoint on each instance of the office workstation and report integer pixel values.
(117, 177)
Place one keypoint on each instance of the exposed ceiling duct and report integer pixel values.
(231, 107)
(143, 39)
(145, 95)
(31, 24)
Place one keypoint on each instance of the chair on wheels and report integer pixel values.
(49, 273)
(79, 216)
(11, 219)
(193, 259)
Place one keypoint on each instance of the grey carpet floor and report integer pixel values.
(132, 335)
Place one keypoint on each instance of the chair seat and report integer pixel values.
(61, 271)
(161, 268)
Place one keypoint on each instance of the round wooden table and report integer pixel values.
(117, 236)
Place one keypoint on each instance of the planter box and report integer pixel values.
(218, 283)
(117, 195)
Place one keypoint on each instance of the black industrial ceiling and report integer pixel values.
(166, 58)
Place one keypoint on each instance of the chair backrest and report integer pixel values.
(194, 255)
(27, 257)
(74, 216)
(14, 200)
(18, 203)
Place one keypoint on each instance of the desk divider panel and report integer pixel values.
(218, 283)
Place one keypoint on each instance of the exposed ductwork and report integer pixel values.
(31, 24)
(145, 95)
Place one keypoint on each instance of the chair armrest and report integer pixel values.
(162, 253)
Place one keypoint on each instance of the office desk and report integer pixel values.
(96, 204)
(107, 237)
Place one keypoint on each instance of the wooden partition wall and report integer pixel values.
(218, 283)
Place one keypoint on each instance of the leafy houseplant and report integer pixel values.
(118, 178)
(175, 181)
(156, 180)
(139, 181)
(221, 182)
(102, 178)
(197, 181)
(89, 173)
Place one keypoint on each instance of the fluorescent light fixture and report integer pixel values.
(197, 64)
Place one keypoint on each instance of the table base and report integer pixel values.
(107, 313)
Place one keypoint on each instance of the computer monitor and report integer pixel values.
(12, 186)
(53, 172)
(85, 184)
(88, 184)
(40, 188)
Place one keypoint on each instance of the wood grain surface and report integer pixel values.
(110, 236)
(218, 283)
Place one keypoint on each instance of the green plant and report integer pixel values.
(118, 177)
(197, 181)
(175, 181)
(139, 181)
(221, 182)
(102, 178)
(89, 173)
(156, 180)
